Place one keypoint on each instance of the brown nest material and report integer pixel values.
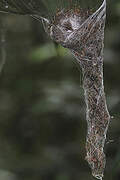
(83, 34)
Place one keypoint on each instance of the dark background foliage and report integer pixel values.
(42, 108)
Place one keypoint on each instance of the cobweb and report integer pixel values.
(23, 7)
(2, 45)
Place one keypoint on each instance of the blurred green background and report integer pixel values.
(42, 108)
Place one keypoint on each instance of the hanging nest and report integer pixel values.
(82, 32)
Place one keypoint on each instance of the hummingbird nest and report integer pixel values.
(83, 34)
